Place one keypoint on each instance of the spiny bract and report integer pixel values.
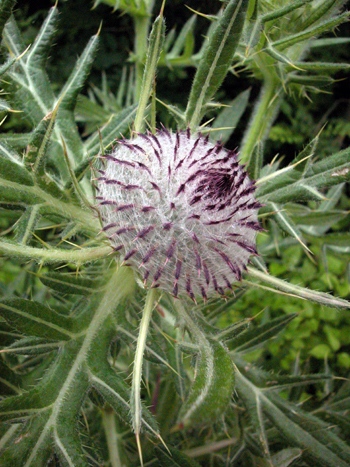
(182, 209)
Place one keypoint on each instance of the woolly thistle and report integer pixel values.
(182, 210)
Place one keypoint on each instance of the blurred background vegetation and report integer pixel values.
(319, 338)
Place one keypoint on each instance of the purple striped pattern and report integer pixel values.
(182, 210)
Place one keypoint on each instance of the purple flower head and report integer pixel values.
(181, 209)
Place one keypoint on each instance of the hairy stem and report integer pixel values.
(297, 291)
(135, 403)
(190, 323)
(262, 118)
(142, 24)
(53, 255)
(110, 428)
(65, 209)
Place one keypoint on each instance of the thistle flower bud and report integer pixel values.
(181, 210)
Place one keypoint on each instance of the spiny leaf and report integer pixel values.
(30, 346)
(318, 12)
(118, 124)
(36, 153)
(39, 51)
(11, 167)
(9, 381)
(69, 284)
(173, 458)
(33, 319)
(257, 336)
(211, 389)
(25, 83)
(216, 60)
(181, 39)
(57, 399)
(279, 12)
(326, 25)
(112, 387)
(156, 40)
(68, 97)
(25, 226)
(293, 186)
(297, 291)
(5, 12)
(286, 223)
(228, 118)
(321, 67)
(301, 430)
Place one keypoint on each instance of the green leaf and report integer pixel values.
(15, 140)
(25, 226)
(320, 218)
(326, 25)
(17, 195)
(36, 153)
(181, 40)
(5, 12)
(253, 28)
(211, 389)
(9, 381)
(320, 67)
(11, 167)
(117, 125)
(53, 405)
(329, 42)
(172, 457)
(332, 197)
(289, 185)
(297, 291)
(31, 346)
(155, 44)
(318, 12)
(320, 447)
(69, 284)
(286, 457)
(68, 98)
(257, 336)
(280, 12)
(216, 60)
(286, 223)
(29, 85)
(112, 387)
(229, 117)
(5, 67)
(33, 319)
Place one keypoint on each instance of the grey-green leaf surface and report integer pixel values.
(216, 60)
(211, 389)
(257, 336)
(34, 319)
(156, 40)
(172, 457)
(227, 120)
(70, 284)
(320, 446)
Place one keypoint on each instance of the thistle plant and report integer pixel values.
(131, 246)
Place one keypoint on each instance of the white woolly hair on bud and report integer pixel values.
(181, 209)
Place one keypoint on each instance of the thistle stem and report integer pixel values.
(110, 428)
(190, 323)
(142, 24)
(262, 118)
(135, 403)
(54, 255)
